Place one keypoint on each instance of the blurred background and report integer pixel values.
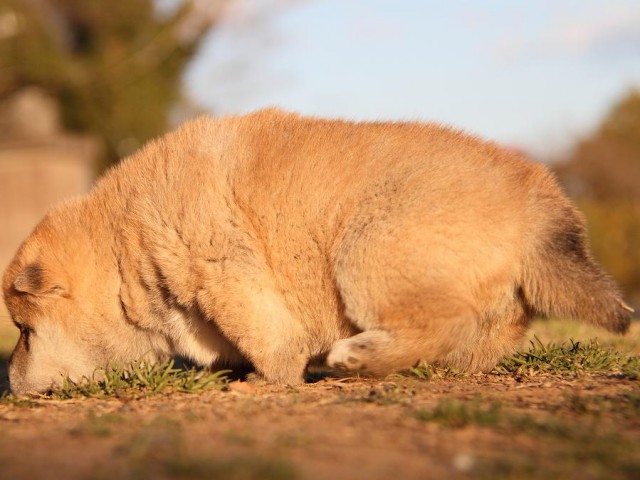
(83, 83)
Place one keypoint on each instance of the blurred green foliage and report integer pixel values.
(114, 66)
(606, 165)
(614, 229)
(603, 173)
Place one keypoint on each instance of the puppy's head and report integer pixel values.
(62, 291)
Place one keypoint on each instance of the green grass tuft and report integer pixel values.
(142, 379)
(425, 371)
(7, 398)
(248, 468)
(455, 414)
(160, 450)
(575, 358)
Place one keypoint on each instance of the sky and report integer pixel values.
(534, 75)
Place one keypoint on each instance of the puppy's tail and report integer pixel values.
(561, 279)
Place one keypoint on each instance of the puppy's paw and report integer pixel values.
(363, 353)
(347, 355)
(255, 378)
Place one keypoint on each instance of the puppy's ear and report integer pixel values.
(35, 280)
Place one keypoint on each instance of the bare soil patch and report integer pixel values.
(485, 426)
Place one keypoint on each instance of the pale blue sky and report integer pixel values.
(532, 74)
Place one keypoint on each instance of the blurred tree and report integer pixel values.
(606, 165)
(114, 66)
(603, 173)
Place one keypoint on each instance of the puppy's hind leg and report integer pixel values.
(424, 330)
(501, 326)
(401, 286)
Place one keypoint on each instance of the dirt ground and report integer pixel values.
(485, 426)
(404, 427)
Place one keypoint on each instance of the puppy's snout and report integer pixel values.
(15, 381)
(17, 368)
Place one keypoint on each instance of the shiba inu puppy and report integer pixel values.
(272, 240)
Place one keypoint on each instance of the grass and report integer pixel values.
(573, 358)
(559, 330)
(103, 425)
(425, 371)
(387, 393)
(458, 414)
(625, 405)
(143, 379)
(243, 468)
(140, 379)
(574, 449)
(160, 450)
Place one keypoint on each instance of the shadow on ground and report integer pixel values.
(4, 374)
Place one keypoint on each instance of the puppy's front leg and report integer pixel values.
(254, 316)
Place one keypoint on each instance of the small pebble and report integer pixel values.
(463, 462)
(242, 387)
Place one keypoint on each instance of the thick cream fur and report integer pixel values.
(273, 239)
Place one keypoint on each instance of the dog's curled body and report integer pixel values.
(273, 239)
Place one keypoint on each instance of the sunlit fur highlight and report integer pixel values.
(273, 239)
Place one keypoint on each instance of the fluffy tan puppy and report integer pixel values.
(274, 240)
